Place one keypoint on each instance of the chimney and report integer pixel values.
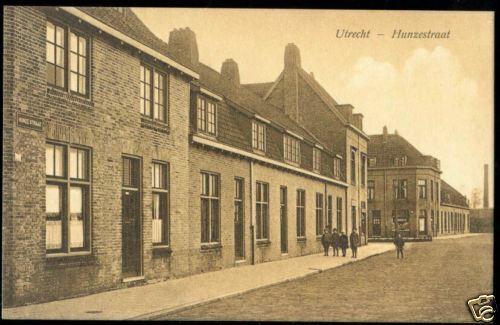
(312, 74)
(291, 81)
(384, 134)
(182, 43)
(292, 55)
(346, 111)
(396, 132)
(230, 70)
(358, 120)
(486, 192)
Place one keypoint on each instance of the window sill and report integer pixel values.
(151, 124)
(258, 152)
(263, 242)
(301, 239)
(206, 135)
(210, 247)
(62, 94)
(293, 163)
(318, 237)
(70, 259)
(162, 250)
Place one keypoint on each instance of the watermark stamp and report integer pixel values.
(483, 308)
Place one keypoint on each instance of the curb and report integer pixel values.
(166, 311)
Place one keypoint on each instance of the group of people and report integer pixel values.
(341, 241)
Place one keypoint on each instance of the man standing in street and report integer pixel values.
(335, 242)
(354, 240)
(343, 243)
(326, 240)
(399, 242)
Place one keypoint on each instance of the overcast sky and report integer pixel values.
(438, 94)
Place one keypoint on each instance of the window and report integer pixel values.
(291, 149)
(262, 210)
(399, 189)
(316, 160)
(67, 202)
(284, 219)
(339, 214)
(258, 136)
(301, 213)
(422, 221)
(239, 228)
(372, 162)
(319, 214)
(353, 217)
(371, 190)
(160, 213)
(363, 170)
(336, 167)
(153, 94)
(58, 53)
(353, 166)
(422, 189)
(400, 161)
(432, 190)
(210, 223)
(206, 115)
(329, 212)
(437, 191)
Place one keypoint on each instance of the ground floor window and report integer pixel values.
(339, 214)
(319, 214)
(210, 221)
(160, 213)
(301, 213)
(422, 221)
(262, 210)
(67, 198)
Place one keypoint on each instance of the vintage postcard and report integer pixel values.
(247, 164)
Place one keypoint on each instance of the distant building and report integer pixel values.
(405, 192)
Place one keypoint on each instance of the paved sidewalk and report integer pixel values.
(150, 300)
(456, 236)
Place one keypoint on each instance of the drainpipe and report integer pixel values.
(252, 230)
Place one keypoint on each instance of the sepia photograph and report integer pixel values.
(248, 164)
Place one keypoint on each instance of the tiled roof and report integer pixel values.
(259, 88)
(133, 27)
(449, 195)
(214, 81)
(386, 148)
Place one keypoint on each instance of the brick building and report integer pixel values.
(126, 160)
(406, 193)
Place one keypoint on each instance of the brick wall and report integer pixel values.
(110, 124)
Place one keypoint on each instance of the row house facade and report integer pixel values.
(127, 161)
(406, 193)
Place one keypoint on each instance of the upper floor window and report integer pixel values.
(432, 190)
(400, 161)
(336, 167)
(399, 189)
(205, 115)
(291, 148)
(316, 159)
(258, 136)
(363, 170)
(60, 58)
(371, 190)
(422, 189)
(353, 165)
(153, 95)
(372, 162)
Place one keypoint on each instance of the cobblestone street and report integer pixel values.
(432, 283)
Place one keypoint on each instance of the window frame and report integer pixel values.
(68, 30)
(261, 205)
(422, 189)
(210, 198)
(363, 170)
(317, 160)
(203, 117)
(400, 189)
(370, 190)
(319, 209)
(353, 165)
(257, 137)
(66, 182)
(301, 213)
(151, 90)
(291, 149)
(165, 192)
(339, 214)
